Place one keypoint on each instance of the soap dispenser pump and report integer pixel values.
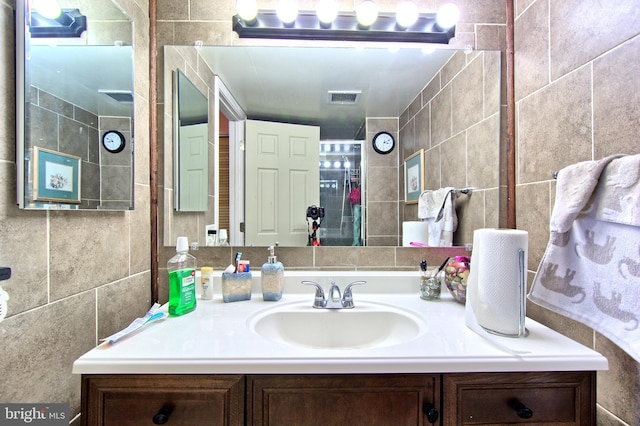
(272, 277)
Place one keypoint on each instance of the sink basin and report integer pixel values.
(368, 325)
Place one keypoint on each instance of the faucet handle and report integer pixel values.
(347, 296)
(319, 301)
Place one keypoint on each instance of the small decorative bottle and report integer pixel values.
(207, 282)
(272, 277)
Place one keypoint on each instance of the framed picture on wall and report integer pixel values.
(56, 176)
(413, 177)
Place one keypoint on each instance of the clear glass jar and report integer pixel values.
(430, 287)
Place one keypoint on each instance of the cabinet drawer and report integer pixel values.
(519, 398)
(339, 400)
(183, 399)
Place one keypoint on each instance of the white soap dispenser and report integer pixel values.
(272, 277)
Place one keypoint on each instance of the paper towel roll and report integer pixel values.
(415, 231)
(497, 280)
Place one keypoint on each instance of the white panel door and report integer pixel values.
(193, 168)
(282, 180)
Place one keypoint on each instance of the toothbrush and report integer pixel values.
(416, 244)
(150, 317)
(443, 265)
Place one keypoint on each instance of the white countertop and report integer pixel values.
(215, 338)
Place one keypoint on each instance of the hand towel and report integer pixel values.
(439, 210)
(590, 271)
(427, 205)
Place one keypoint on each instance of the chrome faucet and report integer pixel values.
(335, 300)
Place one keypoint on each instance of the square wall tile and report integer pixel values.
(554, 127)
(616, 100)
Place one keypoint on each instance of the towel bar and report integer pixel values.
(457, 191)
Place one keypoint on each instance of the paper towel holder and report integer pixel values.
(522, 285)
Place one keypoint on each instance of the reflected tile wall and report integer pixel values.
(460, 106)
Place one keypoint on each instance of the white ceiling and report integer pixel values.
(291, 84)
(79, 74)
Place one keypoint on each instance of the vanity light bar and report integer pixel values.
(70, 24)
(344, 27)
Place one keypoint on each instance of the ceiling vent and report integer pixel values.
(344, 97)
(122, 96)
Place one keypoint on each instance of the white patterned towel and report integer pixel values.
(438, 208)
(590, 271)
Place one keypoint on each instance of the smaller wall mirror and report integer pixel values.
(191, 141)
(74, 106)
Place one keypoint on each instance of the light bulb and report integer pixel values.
(48, 8)
(327, 164)
(367, 13)
(287, 11)
(447, 16)
(407, 14)
(347, 164)
(327, 11)
(336, 164)
(247, 9)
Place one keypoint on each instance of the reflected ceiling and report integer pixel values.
(285, 84)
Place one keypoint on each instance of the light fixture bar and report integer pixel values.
(344, 27)
(70, 23)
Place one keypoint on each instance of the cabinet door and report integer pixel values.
(566, 398)
(144, 399)
(393, 399)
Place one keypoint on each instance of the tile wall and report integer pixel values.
(577, 99)
(77, 276)
(83, 275)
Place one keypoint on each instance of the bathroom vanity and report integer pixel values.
(394, 359)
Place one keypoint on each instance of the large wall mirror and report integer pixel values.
(74, 124)
(347, 93)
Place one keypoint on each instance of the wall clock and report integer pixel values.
(113, 141)
(383, 143)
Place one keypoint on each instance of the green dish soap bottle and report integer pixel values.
(182, 279)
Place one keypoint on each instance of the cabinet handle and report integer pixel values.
(162, 416)
(520, 409)
(430, 411)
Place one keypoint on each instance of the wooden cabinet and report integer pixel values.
(368, 400)
(544, 398)
(566, 398)
(182, 400)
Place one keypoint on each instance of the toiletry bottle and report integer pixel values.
(223, 239)
(212, 238)
(272, 277)
(207, 283)
(182, 279)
